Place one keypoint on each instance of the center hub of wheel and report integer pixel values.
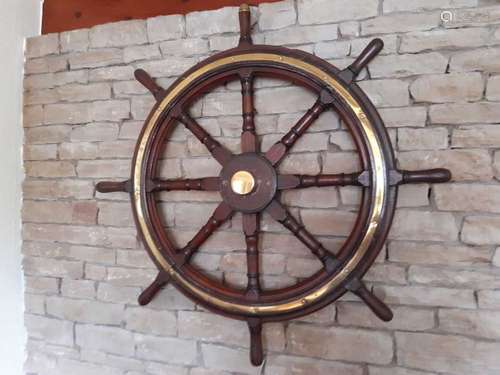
(242, 183)
(248, 182)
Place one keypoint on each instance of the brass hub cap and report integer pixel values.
(242, 182)
(248, 182)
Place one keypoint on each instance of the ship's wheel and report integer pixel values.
(250, 183)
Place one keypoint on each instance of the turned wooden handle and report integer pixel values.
(150, 292)
(430, 175)
(112, 186)
(245, 24)
(256, 349)
(148, 82)
(378, 307)
(370, 51)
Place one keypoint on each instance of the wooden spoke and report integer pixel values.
(220, 215)
(207, 184)
(290, 181)
(248, 136)
(251, 230)
(279, 149)
(221, 154)
(280, 214)
(245, 26)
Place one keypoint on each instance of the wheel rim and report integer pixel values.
(374, 215)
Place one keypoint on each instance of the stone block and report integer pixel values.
(427, 296)
(111, 340)
(448, 88)
(452, 277)
(400, 23)
(67, 114)
(328, 222)
(424, 225)
(391, 66)
(323, 11)
(400, 6)
(166, 27)
(40, 152)
(483, 59)
(219, 21)
(184, 47)
(463, 164)
(44, 45)
(52, 331)
(229, 359)
(387, 92)
(277, 15)
(437, 254)
(481, 230)
(283, 364)
(104, 168)
(144, 52)
(68, 188)
(405, 318)
(155, 348)
(84, 311)
(451, 354)
(483, 324)
(154, 322)
(309, 341)
(46, 134)
(422, 139)
(75, 40)
(96, 58)
(404, 116)
(468, 197)
(50, 169)
(118, 34)
(78, 289)
(444, 39)
(301, 35)
(77, 151)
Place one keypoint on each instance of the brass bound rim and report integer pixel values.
(378, 177)
(250, 183)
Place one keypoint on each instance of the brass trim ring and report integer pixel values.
(379, 184)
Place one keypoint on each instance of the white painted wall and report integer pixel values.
(18, 19)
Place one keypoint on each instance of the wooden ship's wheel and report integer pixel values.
(250, 183)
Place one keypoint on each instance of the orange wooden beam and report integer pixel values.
(63, 15)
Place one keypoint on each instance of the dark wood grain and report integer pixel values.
(304, 181)
(248, 135)
(206, 184)
(152, 290)
(148, 82)
(280, 214)
(251, 230)
(256, 348)
(219, 152)
(222, 213)
(279, 149)
(63, 15)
